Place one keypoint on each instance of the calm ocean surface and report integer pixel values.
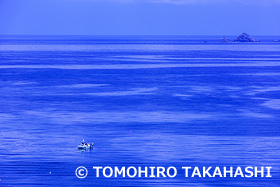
(143, 101)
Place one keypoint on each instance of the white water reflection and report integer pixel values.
(273, 104)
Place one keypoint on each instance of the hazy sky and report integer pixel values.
(140, 17)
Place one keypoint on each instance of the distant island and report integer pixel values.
(225, 39)
(244, 37)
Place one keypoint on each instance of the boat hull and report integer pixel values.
(85, 147)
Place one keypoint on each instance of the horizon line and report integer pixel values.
(133, 34)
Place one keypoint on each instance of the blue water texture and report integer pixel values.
(144, 101)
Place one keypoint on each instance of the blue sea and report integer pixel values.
(143, 101)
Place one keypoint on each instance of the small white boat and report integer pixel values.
(85, 145)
